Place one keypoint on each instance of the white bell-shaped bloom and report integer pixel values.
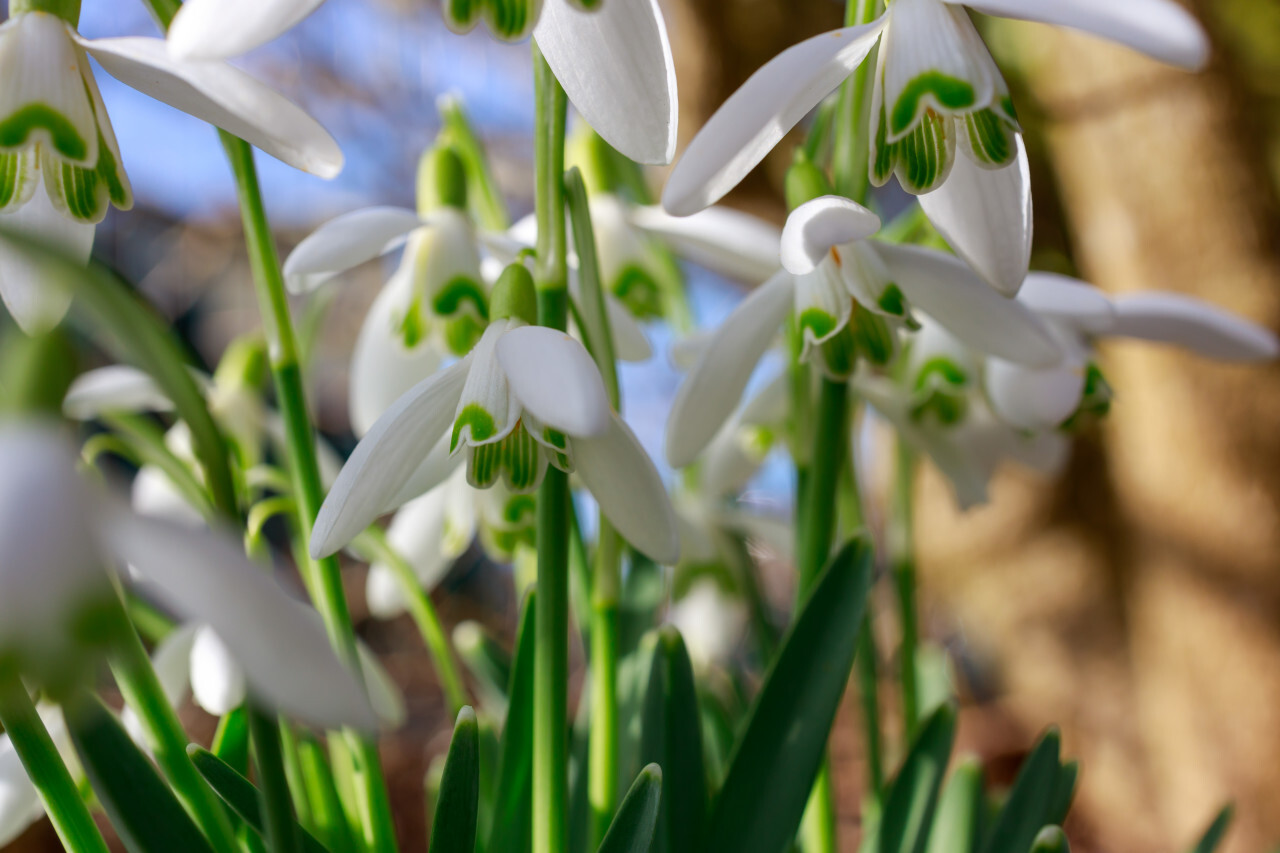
(614, 62)
(20, 804)
(711, 622)
(526, 397)
(830, 274)
(939, 106)
(58, 535)
(61, 165)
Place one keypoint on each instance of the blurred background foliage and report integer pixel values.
(1136, 602)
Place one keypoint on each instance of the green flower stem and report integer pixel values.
(831, 439)
(425, 617)
(551, 637)
(137, 681)
(852, 126)
(276, 801)
(904, 576)
(67, 811)
(325, 582)
(869, 694)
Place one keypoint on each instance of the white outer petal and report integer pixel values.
(1069, 301)
(1196, 325)
(386, 458)
(626, 485)
(1034, 399)
(616, 67)
(345, 242)
(221, 29)
(727, 241)
(114, 388)
(715, 385)
(986, 216)
(816, 226)
(224, 96)
(217, 682)
(384, 693)
(1159, 28)
(35, 291)
(154, 494)
(554, 378)
(418, 534)
(947, 290)
(630, 343)
(280, 645)
(759, 114)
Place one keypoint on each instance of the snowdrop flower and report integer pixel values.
(831, 278)
(936, 91)
(524, 398)
(614, 62)
(62, 166)
(711, 623)
(57, 535)
(20, 804)
(1080, 314)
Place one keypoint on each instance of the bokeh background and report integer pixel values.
(1134, 602)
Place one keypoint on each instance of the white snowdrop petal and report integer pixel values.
(384, 693)
(387, 457)
(224, 96)
(280, 646)
(171, 661)
(715, 385)
(1159, 28)
(616, 68)
(626, 485)
(726, 466)
(114, 388)
(417, 534)
(221, 29)
(487, 411)
(817, 226)
(1172, 318)
(822, 306)
(759, 114)
(553, 376)
(35, 291)
(345, 242)
(217, 682)
(735, 244)
(154, 494)
(436, 468)
(1068, 301)
(1034, 399)
(986, 216)
(946, 289)
(40, 65)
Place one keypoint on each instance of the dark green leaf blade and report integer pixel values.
(633, 826)
(759, 807)
(672, 739)
(1051, 840)
(1216, 832)
(454, 827)
(1024, 813)
(144, 811)
(510, 831)
(1064, 792)
(957, 825)
(913, 796)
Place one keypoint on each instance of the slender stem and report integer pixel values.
(325, 582)
(425, 617)
(869, 693)
(142, 691)
(273, 786)
(852, 144)
(39, 755)
(819, 521)
(904, 576)
(551, 637)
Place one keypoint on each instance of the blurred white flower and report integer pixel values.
(711, 623)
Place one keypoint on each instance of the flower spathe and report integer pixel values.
(526, 397)
(938, 100)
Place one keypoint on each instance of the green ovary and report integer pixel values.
(949, 92)
(16, 130)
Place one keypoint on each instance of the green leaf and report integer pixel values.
(1051, 840)
(672, 739)
(328, 820)
(240, 794)
(144, 811)
(1216, 832)
(637, 817)
(1030, 800)
(913, 795)
(510, 832)
(1064, 791)
(487, 661)
(231, 740)
(957, 825)
(454, 827)
(759, 808)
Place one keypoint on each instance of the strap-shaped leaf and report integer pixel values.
(758, 809)
(512, 802)
(144, 811)
(633, 826)
(957, 826)
(1023, 814)
(913, 796)
(672, 739)
(1064, 791)
(241, 795)
(1216, 832)
(454, 828)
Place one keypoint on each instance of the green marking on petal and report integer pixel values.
(555, 438)
(817, 322)
(516, 458)
(461, 333)
(840, 353)
(885, 158)
(1095, 402)
(77, 192)
(412, 327)
(947, 409)
(17, 179)
(941, 370)
(520, 509)
(948, 92)
(874, 338)
(892, 301)
(991, 138)
(924, 155)
(461, 15)
(17, 127)
(639, 291)
(458, 293)
(480, 421)
(1006, 105)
